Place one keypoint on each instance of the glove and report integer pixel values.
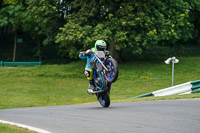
(82, 54)
(88, 52)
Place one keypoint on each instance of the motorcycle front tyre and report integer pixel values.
(113, 70)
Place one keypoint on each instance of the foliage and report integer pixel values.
(39, 19)
(195, 17)
(73, 37)
(125, 24)
(135, 25)
(42, 20)
(11, 15)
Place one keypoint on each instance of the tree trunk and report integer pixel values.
(39, 49)
(198, 40)
(114, 53)
(15, 46)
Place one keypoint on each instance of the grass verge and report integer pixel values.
(4, 128)
(50, 85)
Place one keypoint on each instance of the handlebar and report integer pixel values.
(85, 53)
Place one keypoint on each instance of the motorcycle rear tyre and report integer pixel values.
(104, 99)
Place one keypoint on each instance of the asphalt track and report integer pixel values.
(178, 116)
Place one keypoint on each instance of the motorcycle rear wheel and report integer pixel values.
(104, 99)
(101, 84)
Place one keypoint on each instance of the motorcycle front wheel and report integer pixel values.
(112, 74)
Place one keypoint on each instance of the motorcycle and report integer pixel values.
(105, 73)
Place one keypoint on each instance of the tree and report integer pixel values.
(43, 21)
(194, 6)
(39, 18)
(136, 25)
(11, 15)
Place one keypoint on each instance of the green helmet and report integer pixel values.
(100, 45)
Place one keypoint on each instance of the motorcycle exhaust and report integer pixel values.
(91, 92)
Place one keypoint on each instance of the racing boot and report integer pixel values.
(91, 87)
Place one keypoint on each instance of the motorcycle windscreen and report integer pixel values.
(100, 54)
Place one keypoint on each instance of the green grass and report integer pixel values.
(13, 129)
(49, 85)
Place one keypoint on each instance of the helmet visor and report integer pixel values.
(101, 48)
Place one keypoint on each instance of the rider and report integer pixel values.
(100, 45)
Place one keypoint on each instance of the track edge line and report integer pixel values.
(25, 126)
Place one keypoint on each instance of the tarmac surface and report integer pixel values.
(171, 116)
